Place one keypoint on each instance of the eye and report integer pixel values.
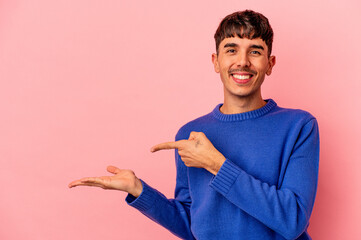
(231, 51)
(255, 52)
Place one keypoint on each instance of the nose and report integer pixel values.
(242, 60)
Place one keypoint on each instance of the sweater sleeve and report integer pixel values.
(173, 214)
(287, 208)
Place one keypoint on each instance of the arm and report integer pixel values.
(287, 208)
(173, 214)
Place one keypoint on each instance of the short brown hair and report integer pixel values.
(247, 24)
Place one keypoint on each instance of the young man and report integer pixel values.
(248, 169)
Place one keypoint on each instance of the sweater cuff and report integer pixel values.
(144, 201)
(226, 176)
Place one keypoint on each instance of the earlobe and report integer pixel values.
(215, 62)
(271, 63)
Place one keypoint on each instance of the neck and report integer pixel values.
(234, 105)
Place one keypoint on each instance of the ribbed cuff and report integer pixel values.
(225, 177)
(145, 200)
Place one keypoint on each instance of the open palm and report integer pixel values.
(123, 180)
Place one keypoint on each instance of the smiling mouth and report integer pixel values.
(242, 78)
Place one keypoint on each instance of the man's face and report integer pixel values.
(243, 64)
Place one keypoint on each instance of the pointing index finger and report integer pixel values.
(166, 145)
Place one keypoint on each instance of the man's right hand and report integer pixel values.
(123, 180)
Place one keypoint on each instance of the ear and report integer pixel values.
(271, 63)
(215, 62)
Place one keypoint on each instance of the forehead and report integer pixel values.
(243, 42)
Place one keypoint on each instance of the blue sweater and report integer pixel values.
(264, 190)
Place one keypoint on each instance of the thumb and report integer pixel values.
(113, 169)
(193, 135)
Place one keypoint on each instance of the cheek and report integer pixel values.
(224, 73)
(225, 68)
(261, 68)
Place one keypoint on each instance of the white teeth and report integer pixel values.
(241, 76)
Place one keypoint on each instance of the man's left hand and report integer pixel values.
(197, 152)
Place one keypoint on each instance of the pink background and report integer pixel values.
(85, 84)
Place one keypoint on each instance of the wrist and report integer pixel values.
(137, 188)
(217, 164)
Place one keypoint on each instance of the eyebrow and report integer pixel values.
(257, 46)
(230, 45)
(236, 45)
